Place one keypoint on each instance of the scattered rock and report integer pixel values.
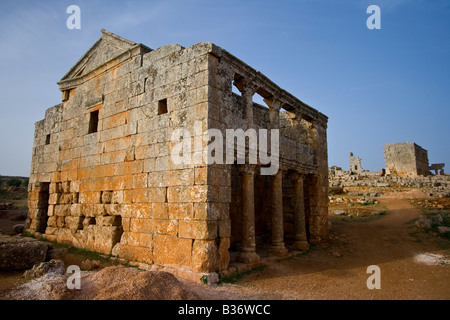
(18, 228)
(443, 230)
(424, 223)
(431, 259)
(210, 278)
(336, 254)
(21, 253)
(339, 212)
(115, 250)
(437, 219)
(90, 264)
(39, 270)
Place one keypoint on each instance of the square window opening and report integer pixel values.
(47, 139)
(162, 106)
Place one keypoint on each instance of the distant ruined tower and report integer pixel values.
(355, 164)
(409, 160)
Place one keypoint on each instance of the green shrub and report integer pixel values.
(13, 182)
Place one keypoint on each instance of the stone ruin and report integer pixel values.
(102, 177)
(355, 164)
(406, 166)
(408, 159)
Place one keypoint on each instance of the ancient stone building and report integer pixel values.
(355, 164)
(103, 175)
(409, 160)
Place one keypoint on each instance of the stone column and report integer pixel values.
(247, 252)
(277, 246)
(274, 113)
(300, 239)
(248, 90)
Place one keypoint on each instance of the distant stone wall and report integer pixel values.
(433, 185)
(406, 159)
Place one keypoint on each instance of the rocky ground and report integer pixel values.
(414, 262)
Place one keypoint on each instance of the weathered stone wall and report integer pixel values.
(355, 164)
(102, 176)
(433, 185)
(303, 141)
(118, 185)
(405, 159)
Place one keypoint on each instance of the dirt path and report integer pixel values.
(409, 269)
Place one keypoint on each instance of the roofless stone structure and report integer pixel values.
(103, 176)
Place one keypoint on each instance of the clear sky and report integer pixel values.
(376, 86)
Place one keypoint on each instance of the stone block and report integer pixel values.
(90, 197)
(106, 197)
(109, 221)
(181, 211)
(205, 256)
(136, 253)
(74, 223)
(54, 198)
(170, 250)
(62, 210)
(224, 253)
(188, 193)
(206, 230)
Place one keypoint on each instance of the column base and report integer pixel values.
(247, 257)
(301, 245)
(278, 250)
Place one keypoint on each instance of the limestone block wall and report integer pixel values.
(405, 159)
(102, 176)
(116, 190)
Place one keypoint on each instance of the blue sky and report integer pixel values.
(376, 86)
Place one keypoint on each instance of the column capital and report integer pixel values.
(274, 102)
(296, 175)
(249, 87)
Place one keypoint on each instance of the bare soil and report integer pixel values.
(414, 265)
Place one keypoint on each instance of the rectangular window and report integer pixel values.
(93, 121)
(47, 139)
(162, 106)
(65, 95)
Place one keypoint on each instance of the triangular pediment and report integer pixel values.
(106, 48)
